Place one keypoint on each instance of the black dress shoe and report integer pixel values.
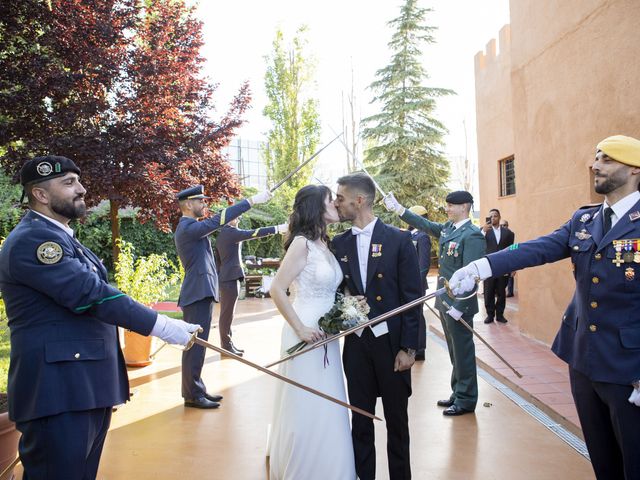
(454, 410)
(201, 402)
(445, 403)
(234, 350)
(488, 320)
(501, 319)
(213, 398)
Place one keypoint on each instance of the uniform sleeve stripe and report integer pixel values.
(87, 307)
(223, 214)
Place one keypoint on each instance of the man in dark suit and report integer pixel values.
(228, 247)
(422, 242)
(66, 370)
(599, 336)
(460, 242)
(379, 262)
(495, 288)
(199, 288)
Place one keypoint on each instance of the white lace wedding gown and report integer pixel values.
(310, 436)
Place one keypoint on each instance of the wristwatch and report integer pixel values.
(409, 351)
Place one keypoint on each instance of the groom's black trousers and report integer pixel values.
(368, 364)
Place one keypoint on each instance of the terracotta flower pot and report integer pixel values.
(137, 349)
(9, 437)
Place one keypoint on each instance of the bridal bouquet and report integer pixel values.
(346, 313)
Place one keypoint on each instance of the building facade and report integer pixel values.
(245, 157)
(566, 76)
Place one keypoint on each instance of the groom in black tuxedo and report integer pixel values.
(380, 262)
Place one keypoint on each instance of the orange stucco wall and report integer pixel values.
(567, 75)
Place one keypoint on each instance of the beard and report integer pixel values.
(611, 182)
(70, 209)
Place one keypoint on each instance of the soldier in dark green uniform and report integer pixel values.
(460, 243)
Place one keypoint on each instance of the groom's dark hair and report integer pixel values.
(362, 183)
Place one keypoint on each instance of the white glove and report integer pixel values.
(635, 395)
(392, 205)
(262, 197)
(454, 313)
(173, 331)
(282, 228)
(464, 279)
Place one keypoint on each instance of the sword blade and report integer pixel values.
(493, 350)
(299, 167)
(361, 165)
(369, 323)
(210, 346)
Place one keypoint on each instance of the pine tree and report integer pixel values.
(405, 138)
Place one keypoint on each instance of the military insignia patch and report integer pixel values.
(344, 259)
(376, 249)
(49, 253)
(583, 235)
(585, 217)
(513, 247)
(634, 216)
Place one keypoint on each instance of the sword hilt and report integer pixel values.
(192, 340)
(450, 292)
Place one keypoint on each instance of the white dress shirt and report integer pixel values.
(363, 241)
(622, 206)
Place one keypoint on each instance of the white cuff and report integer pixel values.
(484, 268)
(158, 327)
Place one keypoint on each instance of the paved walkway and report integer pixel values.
(545, 378)
(154, 437)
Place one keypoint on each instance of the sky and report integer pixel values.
(345, 36)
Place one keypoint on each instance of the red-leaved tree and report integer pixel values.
(117, 86)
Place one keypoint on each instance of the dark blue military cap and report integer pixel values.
(459, 197)
(40, 169)
(192, 192)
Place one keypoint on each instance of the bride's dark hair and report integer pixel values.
(307, 218)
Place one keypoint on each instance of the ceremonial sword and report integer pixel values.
(299, 167)
(371, 322)
(199, 341)
(470, 328)
(361, 165)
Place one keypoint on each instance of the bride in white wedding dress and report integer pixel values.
(310, 436)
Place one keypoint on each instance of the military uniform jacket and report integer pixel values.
(600, 331)
(393, 278)
(457, 247)
(422, 242)
(194, 249)
(63, 313)
(228, 246)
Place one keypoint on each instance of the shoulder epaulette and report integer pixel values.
(591, 205)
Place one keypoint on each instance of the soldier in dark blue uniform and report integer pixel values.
(199, 289)
(599, 336)
(422, 242)
(228, 246)
(66, 370)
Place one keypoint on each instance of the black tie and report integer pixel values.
(607, 220)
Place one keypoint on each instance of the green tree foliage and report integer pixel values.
(293, 111)
(9, 196)
(404, 139)
(145, 279)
